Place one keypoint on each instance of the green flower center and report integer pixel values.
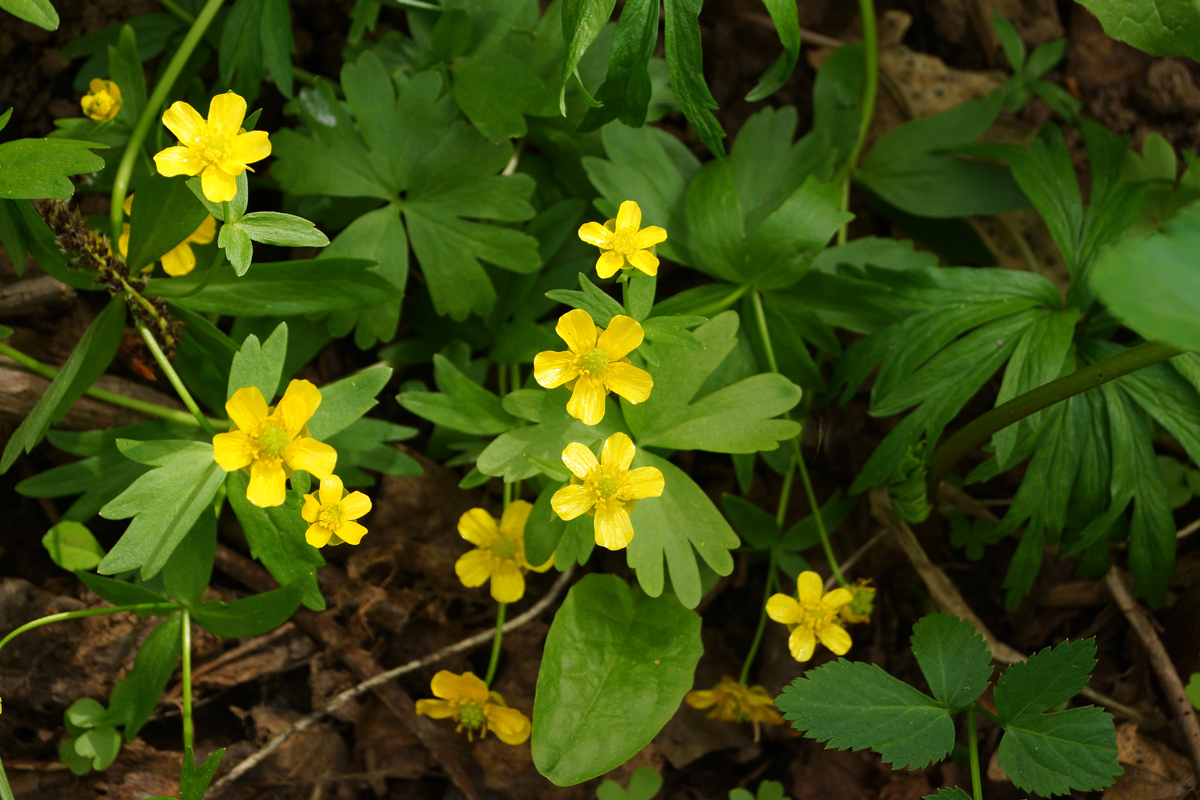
(505, 548)
(471, 716)
(273, 440)
(817, 615)
(594, 362)
(607, 486)
(330, 517)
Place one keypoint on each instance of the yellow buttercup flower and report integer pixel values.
(466, 699)
(811, 617)
(862, 604)
(103, 100)
(499, 554)
(331, 516)
(596, 362)
(622, 243)
(607, 489)
(179, 260)
(273, 443)
(216, 149)
(732, 701)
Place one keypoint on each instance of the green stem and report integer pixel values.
(983, 427)
(133, 404)
(717, 306)
(225, 210)
(178, 10)
(491, 671)
(870, 38)
(87, 612)
(174, 378)
(973, 748)
(185, 683)
(150, 112)
(762, 620)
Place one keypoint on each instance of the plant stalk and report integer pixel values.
(185, 683)
(762, 620)
(973, 748)
(174, 378)
(495, 659)
(86, 612)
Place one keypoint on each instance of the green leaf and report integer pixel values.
(1160, 27)
(240, 54)
(782, 248)
(685, 65)
(38, 168)
(237, 206)
(275, 36)
(592, 299)
(364, 443)
(543, 529)
(496, 89)
(953, 657)
(1193, 690)
(100, 745)
(626, 91)
(463, 405)
(852, 705)
(1048, 679)
(949, 793)
(238, 247)
(379, 236)
(279, 289)
(72, 546)
(787, 24)
(84, 714)
(582, 21)
(1049, 754)
(250, 616)
(644, 783)
(615, 669)
(275, 537)
(194, 781)
(119, 593)
(164, 213)
(87, 362)
(165, 502)
(134, 698)
(767, 790)
(260, 366)
(39, 12)
(1010, 41)
(283, 230)
(345, 400)
(189, 569)
(125, 70)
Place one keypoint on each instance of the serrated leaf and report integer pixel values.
(1048, 679)
(854, 706)
(953, 657)
(1050, 754)
(259, 366)
(949, 793)
(685, 65)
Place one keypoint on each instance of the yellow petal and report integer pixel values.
(508, 585)
(551, 369)
(205, 233)
(180, 260)
(351, 532)
(217, 184)
(839, 597)
(318, 535)
(187, 125)
(448, 686)
(306, 392)
(225, 114)
(267, 483)
(621, 337)
(436, 709)
(609, 264)
(127, 206)
(474, 567)
(648, 237)
(541, 567)
(178, 161)
(292, 413)
(123, 239)
(233, 451)
(644, 260)
(587, 400)
(613, 528)
(478, 527)
(331, 490)
(509, 725)
(809, 588)
(700, 698)
(578, 331)
(316, 458)
(570, 502)
(642, 482)
(579, 459)
(250, 147)
(97, 85)
(311, 508)
(355, 505)
(630, 382)
(835, 638)
(597, 234)
(782, 608)
(618, 451)
(629, 217)
(512, 521)
(802, 643)
(247, 408)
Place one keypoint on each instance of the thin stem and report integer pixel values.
(174, 378)
(973, 748)
(983, 427)
(185, 683)
(150, 112)
(225, 211)
(717, 306)
(178, 10)
(491, 671)
(785, 491)
(762, 620)
(870, 39)
(764, 331)
(86, 612)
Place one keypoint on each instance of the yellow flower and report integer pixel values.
(596, 362)
(499, 553)
(623, 244)
(331, 516)
(813, 617)
(216, 149)
(862, 604)
(103, 100)
(466, 698)
(273, 442)
(732, 701)
(607, 489)
(179, 260)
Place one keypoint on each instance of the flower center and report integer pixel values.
(607, 486)
(817, 616)
(505, 548)
(471, 716)
(625, 242)
(103, 103)
(330, 517)
(594, 362)
(273, 440)
(213, 150)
